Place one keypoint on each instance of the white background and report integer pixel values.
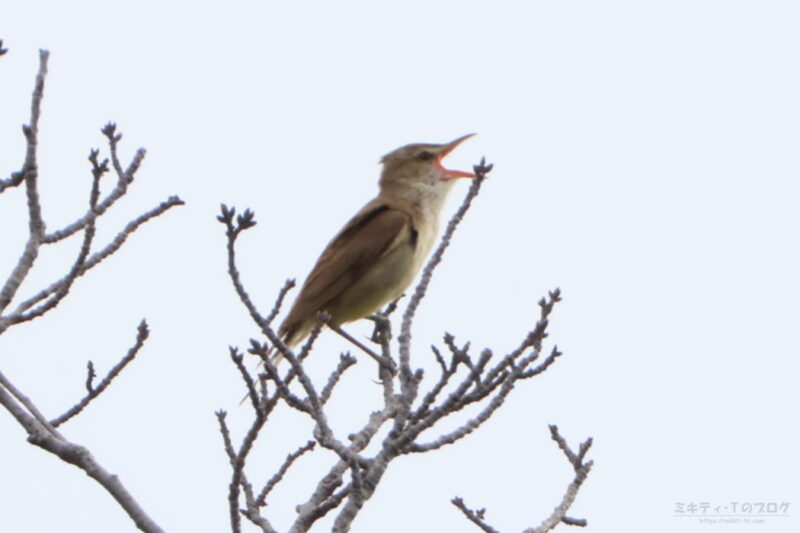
(645, 162)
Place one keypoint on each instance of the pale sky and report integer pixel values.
(645, 163)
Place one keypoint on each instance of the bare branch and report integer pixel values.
(238, 462)
(388, 363)
(533, 339)
(323, 498)
(96, 258)
(29, 175)
(433, 393)
(345, 362)
(234, 228)
(333, 502)
(141, 336)
(226, 435)
(274, 480)
(258, 520)
(79, 456)
(239, 479)
(80, 261)
(90, 375)
(41, 432)
(263, 407)
(579, 522)
(237, 359)
(559, 513)
(281, 384)
(382, 334)
(575, 459)
(455, 401)
(476, 517)
(233, 487)
(15, 180)
(116, 193)
(549, 360)
(581, 468)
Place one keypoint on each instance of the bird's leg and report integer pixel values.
(383, 361)
(383, 330)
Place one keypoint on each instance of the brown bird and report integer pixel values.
(379, 252)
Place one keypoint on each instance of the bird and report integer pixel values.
(381, 249)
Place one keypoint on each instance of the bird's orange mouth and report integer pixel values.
(448, 174)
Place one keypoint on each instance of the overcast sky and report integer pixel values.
(646, 163)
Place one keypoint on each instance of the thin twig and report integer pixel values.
(275, 479)
(388, 363)
(433, 393)
(238, 468)
(97, 257)
(234, 227)
(281, 385)
(29, 174)
(116, 193)
(141, 336)
(476, 517)
(559, 514)
(238, 360)
(90, 375)
(226, 435)
(233, 486)
(345, 362)
(66, 282)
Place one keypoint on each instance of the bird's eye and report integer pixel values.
(425, 156)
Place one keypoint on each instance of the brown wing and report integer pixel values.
(372, 232)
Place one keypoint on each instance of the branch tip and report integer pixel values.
(109, 130)
(143, 331)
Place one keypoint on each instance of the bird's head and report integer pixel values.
(420, 165)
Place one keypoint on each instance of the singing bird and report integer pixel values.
(379, 252)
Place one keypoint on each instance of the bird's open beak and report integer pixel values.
(449, 147)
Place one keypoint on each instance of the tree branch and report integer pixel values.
(79, 456)
(41, 432)
(141, 336)
(287, 464)
(581, 468)
(29, 175)
(95, 259)
(559, 513)
(476, 517)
